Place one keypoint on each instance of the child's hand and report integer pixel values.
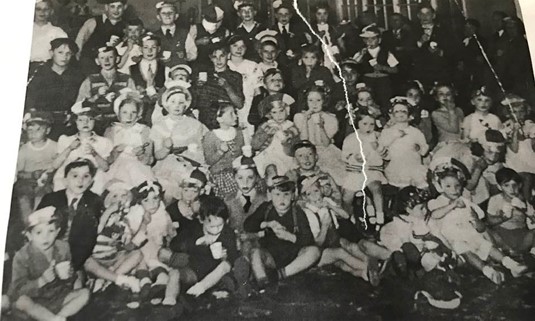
(168, 143)
(222, 82)
(284, 235)
(224, 147)
(139, 151)
(75, 144)
(459, 203)
(196, 290)
(48, 275)
(101, 91)
(224, 254)
(271, 130)
(481, 163)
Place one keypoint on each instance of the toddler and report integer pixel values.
(130, 48)
(475, 125)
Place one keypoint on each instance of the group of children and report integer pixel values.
(203, 159)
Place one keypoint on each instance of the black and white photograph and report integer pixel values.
(272, 160)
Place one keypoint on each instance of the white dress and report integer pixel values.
(522, 161)
(101, 145)
(274, 154)
(479, 124)
(127, 167)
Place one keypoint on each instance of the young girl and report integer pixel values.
(130, 48)
(405, 145)
(319, 127)
(274, 139)
(268, 50)
(310, 70)
(42, 281)
(459, 222)
(85, 144)
(323, 215)
(221, 146)
(131, 156)
(354, 176)
(448, 120)
(177, 141)
(475, 125)
(152, 230)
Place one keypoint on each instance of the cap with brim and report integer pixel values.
(370, 31)
(349, 62)
(111, 1)
(213, 14)
(238, 5)
(42, 216)
(281, 180)
(308, 182)
(35, 116)
(182, 67)
(82, 107)
(267, 35)
(302, 144)
(162, 4)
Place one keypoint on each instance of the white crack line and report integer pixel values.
(348, 107)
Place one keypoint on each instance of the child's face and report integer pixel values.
(61, 56)
(314, 102)
(314, 194)
(400, 113)
(511, 188)
(115, 10)
(366, 125)
(176, 104)
(444, 95)
(309, 59)
(43, 235)
(190, 194)
(274, 83)
(247, 13)
(520, 112)
(228, 118)
(150, 49)
(306, 158)
(42, 12)
(279, 113)
(283, 16)
(419, 211)
(134, 33)
(269, 53)
(372, 42)
(78, 180)
(350, 75)
(246, 180)
(322, 16)
(365, 99)
(219, 59)
(121, 197)
(180, 74)
(128, 115)
(415, 95)
(167, 15)
(282, 201)
(107, 60)
(238, 49)
(85, 123)
(492, 152)
(151, 203)
(37, 132)
(426, 15)
(213, 225)
(482, 103)
(451, 187)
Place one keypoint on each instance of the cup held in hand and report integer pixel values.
(217, 250)
(62, 270)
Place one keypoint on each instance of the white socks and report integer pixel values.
(516, 268)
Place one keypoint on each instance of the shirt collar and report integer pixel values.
(280, 25)
(501, 32)
(246, 28)
(71, 196)
(172, 29)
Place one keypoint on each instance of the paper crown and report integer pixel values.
(149, 186)
(125, 93)
(82, 107)
(196, 178)
(181, 67)
(307, 182)
(44, 215)
(267, 35)
(175, 90)
(213, 14)
(370, 31)
(149, 36)
(513, 100)
(482, 91)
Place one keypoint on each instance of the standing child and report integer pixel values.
(310, 70)
(35, 163)
(354, 169)
(405, 145)
(475, 125)
(286, 241)
(131, 157)
(149, 73)
(130, 48)
(329, 34)
(248, 27)
(42, 282)
(177, 141)
(274, 138)
(221, 146)
(84, 144)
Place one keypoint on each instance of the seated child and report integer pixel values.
(459, 221)
(323, 215)
(286, 241)
(211, 247)
(508, 215)
(415, 92)
(179, 75)
(475, 124)
(152, 229)
(85, 144)
(42, 281)
(519, 155)
(274, 138)
(131, 156)
(35, 162)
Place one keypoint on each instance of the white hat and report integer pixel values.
(44, 215)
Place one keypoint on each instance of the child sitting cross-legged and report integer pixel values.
(43, 277)
(459, 221)
(286, 244)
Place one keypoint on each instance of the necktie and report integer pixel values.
(248, 203)
(72, 209)
(168, 34)
(284, 31)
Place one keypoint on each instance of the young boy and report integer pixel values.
(377, 64)
(149, 73)
(42, 284)
(306, 158)
(35, 163)
(286, 241)
(102, 88)
(507, 214)
(219, 83)
(248, 28)
(130, 48)
(209, 31)
(104, 30)
(177, 44)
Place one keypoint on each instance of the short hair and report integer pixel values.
(505, 175)
(212, 48)
(272, 72)
(312, 49)
(359, 115)
(107, 49)
(212, 206)
(303, 144)
(80, 163)
(268, 43)
(426, 6)
(246, 4)
(131, 99)
(288, 186)
(58, 42)
(473, 22)
(136, 22)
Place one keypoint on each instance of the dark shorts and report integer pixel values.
(514, 238)
(283, 255)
